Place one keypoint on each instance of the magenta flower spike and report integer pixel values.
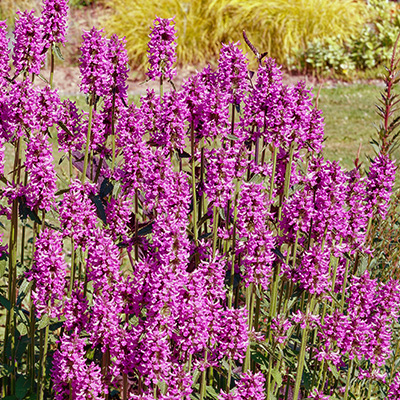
(73, 377)
(49, 273)
(96, 67)
(119, 60)
(232, 72)
(161, 52)
(54, 20)
(4, 54)
(29, 43)
(42, 186)
(71, 117)
(380, 182)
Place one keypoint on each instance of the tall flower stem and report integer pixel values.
(113, 131)
(193, 162)
(349, 371)
(301, 360)
(88, 138)
(274, 157)
(51, 66)
(249, 306)
(232, 277)
(12, 283)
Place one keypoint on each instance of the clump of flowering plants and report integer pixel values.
(199, 245)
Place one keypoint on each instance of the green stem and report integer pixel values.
(271, 187)
(194, 184)
(230, 294)
(346, 272)
(203, 378)
(346, 393)
(113, 132)
(43, 359)
(88, 139)
(72, 277)
(51, 67)
(301, 362)
(249, 306)
(215, 230)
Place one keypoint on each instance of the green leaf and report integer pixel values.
(45, 320)
(57, 52)
(232, 137)
(334, 370)
(211, 391)
(162, 386)
(22, 329)
(5, 302)
(196, 376)
(277, 376)
(257, 178)
(21, 387)
(3, 264)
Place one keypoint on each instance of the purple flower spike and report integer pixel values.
(161, 52)
(394, 389)
(96, 68)
(380, 184)
(54, 21)
(233, 72)
(250, 387)
(73, 377)
(4, 53)
(42, 186)
(28, 48)
(119, 60)
(48, 272)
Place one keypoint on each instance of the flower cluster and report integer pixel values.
(161, 51)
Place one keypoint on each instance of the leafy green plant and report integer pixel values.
(367, 49)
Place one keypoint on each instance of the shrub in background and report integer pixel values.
(367, 49)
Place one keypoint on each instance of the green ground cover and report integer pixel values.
(350, 119)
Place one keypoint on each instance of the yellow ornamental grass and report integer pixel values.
(280, 27)
(8, 8)
(201, 26)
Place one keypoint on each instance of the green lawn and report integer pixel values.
(350, 119)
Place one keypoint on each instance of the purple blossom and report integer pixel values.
(165, 121)
(250, 387)
(71, 117)
(223, 166)
(29, 44)
(279, 327)
(232, 72)
(54, 21)
(380, 181)
(394, 389)
(48, 273)
(256, 251)
(262, 100)
(96, 67)
(42, 185)
(357, 212)
(161, 52)
(78, 214)
(119, 60)
(318, 395)
(4, 54)
(72, 376)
